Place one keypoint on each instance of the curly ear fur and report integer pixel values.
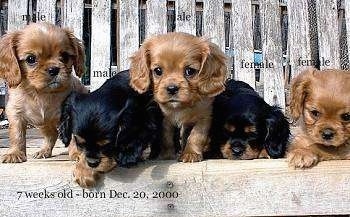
(139, 70)
(9, 67)
(79, 54)
(65, 128)
(299, 90)
(277, 133)
(213, 71)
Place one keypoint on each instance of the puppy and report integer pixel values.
(245, 126)
(37, 62)
(185, 73)
(110, 126)
(320, 100)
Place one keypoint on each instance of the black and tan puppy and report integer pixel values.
(245, 126)
(110, 126)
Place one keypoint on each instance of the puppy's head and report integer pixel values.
(102, 129)
(179, 68)
(93, 133)
(41, 56)
(246, 126)
(242, 137)
(322, 100)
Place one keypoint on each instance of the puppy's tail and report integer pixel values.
(277, 133)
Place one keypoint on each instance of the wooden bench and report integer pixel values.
(169, 188)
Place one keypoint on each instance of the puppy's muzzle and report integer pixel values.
(237, 148)
(328, 134)
(53, 71)
(172, 89)
(93, 162)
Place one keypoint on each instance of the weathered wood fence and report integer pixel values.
(283, 36)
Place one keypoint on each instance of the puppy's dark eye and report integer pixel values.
(315, 113)
(65, 57)
(31, 59)
(190, 72)
(345, 117)
(158, 71)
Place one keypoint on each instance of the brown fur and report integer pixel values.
(328, 93)
(172, 53)
(84, 175)
(35, 97)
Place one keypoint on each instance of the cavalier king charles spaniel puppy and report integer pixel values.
(320, 101)
(37, 63)
(110, 126)
(245, 126)
(185, 73)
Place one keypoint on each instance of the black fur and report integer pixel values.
(241, 106)
(114, 112)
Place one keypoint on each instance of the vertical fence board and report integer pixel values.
(156, 17)
(129, 31)
(100, 42)
(272, 53)
(16, 10)
(328, 33)
(185, 16)
(73, 11)
(47, 8)
(213, 16)
(347, 19)
(243, 43)
(298, 35)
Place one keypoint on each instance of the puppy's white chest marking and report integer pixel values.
(36, 110)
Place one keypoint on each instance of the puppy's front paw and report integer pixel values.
(43, 153)
(190, 157)
(302, 159)
(16, 156)
(85, 177)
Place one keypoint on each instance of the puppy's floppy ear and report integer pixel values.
(299, 89)
(277, 133)
(65, 127)
(9, 66)
(140, 69)
(79, 54)
(213, 70)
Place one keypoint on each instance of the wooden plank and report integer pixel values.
(156, 17)
(272, 54)
(328, 34)
(17, 14)
(129, 31)
(100, 42)
(209, 188)
(213, 18)
(73, 11)
(298, 35)
(48, 9)
(347, 20)
(185, 16)
(243, 43)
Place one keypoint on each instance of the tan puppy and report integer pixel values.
(37, 62)
(185, 72)
(321, 99)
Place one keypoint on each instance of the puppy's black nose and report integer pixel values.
(328, 134)
(92, 162)
(237, 151)
(53, 71)
(237, 148)
(172, 89)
